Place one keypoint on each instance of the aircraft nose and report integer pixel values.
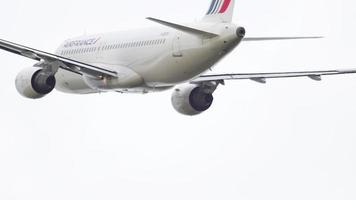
(241, 32)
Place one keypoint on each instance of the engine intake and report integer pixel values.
(200, 100)
(191, 100)
(43, 83)
(35, 83)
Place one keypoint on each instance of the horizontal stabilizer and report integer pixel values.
(183, 28)
(255, 39)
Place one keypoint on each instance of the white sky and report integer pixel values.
(289, 139)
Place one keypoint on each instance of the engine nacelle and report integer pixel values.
(191, 100)
(34, 83)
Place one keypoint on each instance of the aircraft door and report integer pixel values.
(177, 46)
(99, 52)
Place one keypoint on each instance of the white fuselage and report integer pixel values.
(146, 60)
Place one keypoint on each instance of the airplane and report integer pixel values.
(170, 55)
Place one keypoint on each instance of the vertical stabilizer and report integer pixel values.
(220, 11)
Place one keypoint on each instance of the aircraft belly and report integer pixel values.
(69, 82)
(170, 70)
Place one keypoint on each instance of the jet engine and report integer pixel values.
(192, 99)
(35, 83)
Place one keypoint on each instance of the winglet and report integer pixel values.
(183, 28)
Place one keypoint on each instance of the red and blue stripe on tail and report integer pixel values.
(220, 11)
(218, 6)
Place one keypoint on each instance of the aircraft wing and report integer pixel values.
(62, 62)
(262, 77)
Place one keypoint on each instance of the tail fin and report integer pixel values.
(220, 11)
